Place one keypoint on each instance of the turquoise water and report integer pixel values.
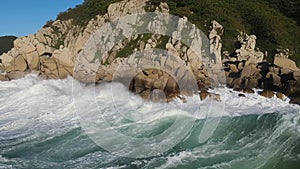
(41, 126)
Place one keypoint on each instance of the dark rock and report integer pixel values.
(241, 95)
(295, 100)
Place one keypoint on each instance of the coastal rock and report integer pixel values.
(285, 63)
(233, 68)
(280, 95)
(247, 50)
(248, 90)
(3, 77)
(6, 59)
(211, 96)
(215, 33)
(52, 53)
(267, 93)
(17, 64)
(203, 95)
(241, 95)
(15, 75)
(274, 78)
(24, 45)
(63, 57)
(49, 67)
(33, 60)
(43, 49)
(117, 10)
(295, 100)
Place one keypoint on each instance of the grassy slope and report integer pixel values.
(6, 43)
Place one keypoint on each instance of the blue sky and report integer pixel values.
(23, 17)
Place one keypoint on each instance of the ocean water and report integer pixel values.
(65, 124)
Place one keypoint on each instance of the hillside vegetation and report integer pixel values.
(6, 43)
(83, 13)
(274, 22)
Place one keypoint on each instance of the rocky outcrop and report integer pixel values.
(215, 33)
(41, 53)
(95, 55)
(285, 63)
(247, 51)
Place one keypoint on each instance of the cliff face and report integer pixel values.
(62, 49)
(52, 50)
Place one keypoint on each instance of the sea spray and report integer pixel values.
(39, 128)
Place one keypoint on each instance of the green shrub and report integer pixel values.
(83, 13)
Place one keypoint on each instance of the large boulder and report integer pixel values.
(33, 60)
(23, 45)
(49, 67)
(285, 63)
(17, 64)
(15, 75)
(63, 57)
(6, 59)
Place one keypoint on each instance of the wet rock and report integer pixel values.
(212, 96)
(203, 95)
(280, 95)
(3, 77)
(295, 100)
(241, 95)
(267, 93)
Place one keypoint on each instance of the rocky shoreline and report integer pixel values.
(52, 54)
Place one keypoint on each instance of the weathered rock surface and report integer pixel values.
(267, 94)
(285, 63)
(60, 50)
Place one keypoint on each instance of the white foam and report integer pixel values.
(51, 100)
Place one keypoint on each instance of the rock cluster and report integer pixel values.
(263, 75)
(246, 51)
(63, 49)
(39, 54)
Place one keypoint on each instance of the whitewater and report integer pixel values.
(67, 124)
